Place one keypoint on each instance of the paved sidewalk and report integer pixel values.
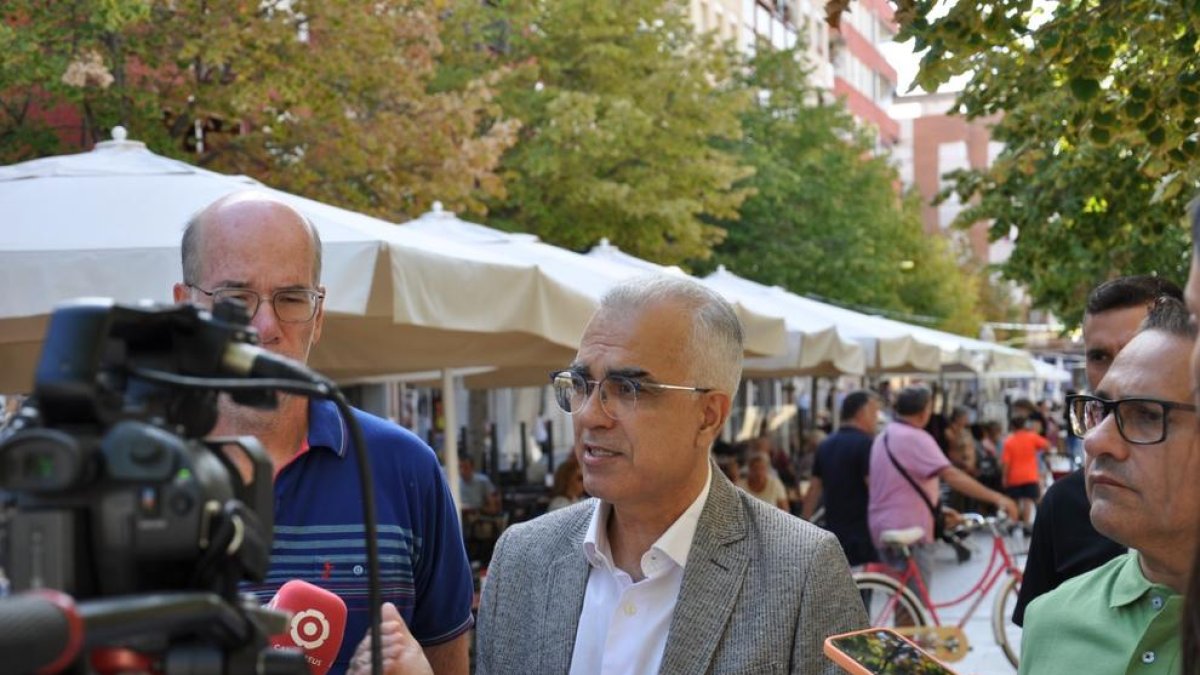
(951, 580)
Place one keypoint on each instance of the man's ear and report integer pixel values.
(714, 412)
(319, 319)
(181, 292)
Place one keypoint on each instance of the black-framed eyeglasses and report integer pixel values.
(293, 305)
(1140, 421)
(618, 393)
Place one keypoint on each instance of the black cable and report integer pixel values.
(324, 389)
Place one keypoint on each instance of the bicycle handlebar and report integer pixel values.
(975, 521)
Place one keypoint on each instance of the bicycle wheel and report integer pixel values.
(1007, 633)
(878, 592)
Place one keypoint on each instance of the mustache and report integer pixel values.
(1109, 467)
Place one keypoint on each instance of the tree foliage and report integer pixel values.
(329, 99)
(1099, 104)
(824, 217)
(573, 120)
(619, 100)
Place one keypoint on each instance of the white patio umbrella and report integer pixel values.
(814, 345)
(1044, 372)
(890, 346)
(108, 223)
(898, 347)
(964, 354)
(765, 332)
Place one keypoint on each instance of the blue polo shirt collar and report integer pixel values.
(1131, 585)
(326, 428)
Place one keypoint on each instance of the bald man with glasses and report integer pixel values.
(669, 568)
(261, 252)
(1143, 465)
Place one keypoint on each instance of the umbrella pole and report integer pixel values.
(450, 437)
(812, 409)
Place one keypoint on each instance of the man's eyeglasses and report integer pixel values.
(618, 393)
(291, 306)
(1141, 421)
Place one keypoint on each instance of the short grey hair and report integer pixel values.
(714, 349)
(913, 400)
(189, 248)
(1170, 316)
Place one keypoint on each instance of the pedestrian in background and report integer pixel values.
(1019, 464)
(568, 485)
(841, 474)
(762, 484)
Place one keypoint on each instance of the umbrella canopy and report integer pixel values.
(813, 347)
(964, 354)
(894, 346)
(765, 332)
(108, 223)
(1045, 372)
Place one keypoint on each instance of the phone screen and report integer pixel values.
(886, 653)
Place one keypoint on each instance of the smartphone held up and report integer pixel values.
(880, 651)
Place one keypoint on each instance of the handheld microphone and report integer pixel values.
(317, 625)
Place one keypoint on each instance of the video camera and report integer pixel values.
(112, 498)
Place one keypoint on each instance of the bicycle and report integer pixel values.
(891, 603)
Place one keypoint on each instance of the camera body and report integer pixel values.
(109, 492)
(132, 510)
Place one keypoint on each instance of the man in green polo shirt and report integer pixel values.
(1143, 465)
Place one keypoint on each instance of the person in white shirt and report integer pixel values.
(760, 482)
(669, 568)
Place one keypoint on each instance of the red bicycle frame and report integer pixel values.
(999, 563)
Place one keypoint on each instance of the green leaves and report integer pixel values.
(823, 217)
(626, 114)
(1098, 104)
(344, 86)
(1084, 88)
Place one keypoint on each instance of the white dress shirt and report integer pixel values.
(623, 626)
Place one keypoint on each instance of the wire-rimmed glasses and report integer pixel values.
(292, 305)
(1140, 421)
(618, 393)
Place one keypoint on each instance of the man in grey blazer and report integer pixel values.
(670, 568)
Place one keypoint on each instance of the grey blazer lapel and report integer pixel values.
(712, 581)
(566, 585)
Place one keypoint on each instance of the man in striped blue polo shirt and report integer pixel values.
(253, 248)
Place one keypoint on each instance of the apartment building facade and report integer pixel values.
(846, 60)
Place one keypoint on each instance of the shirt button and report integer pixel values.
(1148, 657)
(630, 609)
(358, 570)
(1156, 602)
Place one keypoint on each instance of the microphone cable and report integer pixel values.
(320, 388)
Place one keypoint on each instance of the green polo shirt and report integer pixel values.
(1110, 620)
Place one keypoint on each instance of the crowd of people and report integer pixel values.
(830, 480)
(657, 557)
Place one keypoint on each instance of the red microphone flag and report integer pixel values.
(317, 626)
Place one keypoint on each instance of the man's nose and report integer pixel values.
(1105, 439)
(591, 412)
(265, 322)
